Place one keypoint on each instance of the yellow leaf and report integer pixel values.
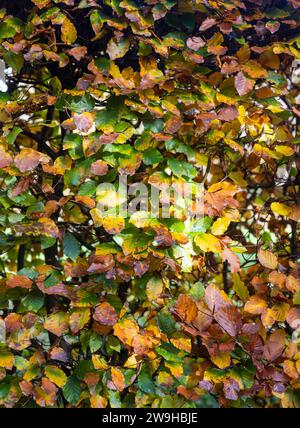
(99, 362)
(183, 343)
(289, 368)
(97, 217)
(126, 330)
(113, 225)
(140, 219)
(68, 32)
(56, 375)
(277, 313)
(280, 209)
(284, 150)
(208, 242)
(255, 305)
(222, 360)
(238, 178)
(131, 362)
(220, 226)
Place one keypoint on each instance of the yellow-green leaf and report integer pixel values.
(208, 242)
(220, 226)
(68, 31)
(56, 375)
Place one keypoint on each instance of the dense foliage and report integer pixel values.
(106, 311)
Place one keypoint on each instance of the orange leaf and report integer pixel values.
(267, 259)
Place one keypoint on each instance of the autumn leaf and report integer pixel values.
(117, 48)
(126, 330)
(56, 375)
(255, 305)
(267, 259)
(208, 242)
(99, 167)
(149, 158)
(28, 159)
(78, 319)
(113, 225)
(186, 308)
(239, 287)
(6, 358)
(220, 226)
(5, 158)
(154, 288)
(118, 378)
(78, 52)
(195, 43)
(242, 84)
(281, 209)
(105, 314)
(68, 31)
(274, 345)
(19, 281)
(57, 323)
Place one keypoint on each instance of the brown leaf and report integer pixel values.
(5, 158)
(99, 167)
(228, 113)
(242, 84)
(78, 319)
(78, 53)
(207, 23)
(105, 314)
(255, 305)
(223, 311)
(293, 318)
(84, 121)
(19, 281)
(232, 259)
(29, 159)
(274, 345)
(195, 43)
(186, 308)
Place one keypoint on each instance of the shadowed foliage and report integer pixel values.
(187, 311)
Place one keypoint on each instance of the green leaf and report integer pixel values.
(166, 323)
(71, 246)
(6, 30)
(102, 64)
(72, 390)
(4, 389)
(145, 381)
(95, 342)
(106, 120)
(34, 301)
(152, 156)
(296, 298)
(181, 168)
(15, 61)
(11, 137)
(52, 279)
(81, 104)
